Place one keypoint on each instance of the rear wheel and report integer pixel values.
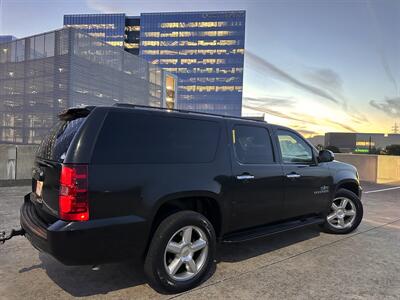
(346, 213)
(181, 253)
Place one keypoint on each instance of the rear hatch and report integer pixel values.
(48, 162)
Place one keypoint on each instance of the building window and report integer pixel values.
(169, 43)
(226, 42)
(186, 61)
(188, 52)
(187, 33)
(150, 43)
(150, 52)
(132, 28)
(205, 88)
(169, 52)
(207, 43)
(132, 45)
(170, 91)
(186, 43)
(97, 34)
(170, 34)
(169, 61)
(152, 34)
(115, 43)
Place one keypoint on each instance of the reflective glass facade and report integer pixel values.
(205, 50)
(44, 74)
(115, 29)
(108, 27)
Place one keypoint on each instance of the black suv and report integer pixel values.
(165, 186)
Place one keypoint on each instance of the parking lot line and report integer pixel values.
(382, 190)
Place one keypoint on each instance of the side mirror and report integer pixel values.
(325, 156)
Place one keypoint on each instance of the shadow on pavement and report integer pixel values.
(235, 252)
(81, 281)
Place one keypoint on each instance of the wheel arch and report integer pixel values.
(350, 185)
(206, 203)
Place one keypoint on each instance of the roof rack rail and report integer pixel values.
(128, 105)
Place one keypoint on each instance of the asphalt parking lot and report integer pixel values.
(303, 264)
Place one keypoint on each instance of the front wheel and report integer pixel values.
(346, 213)
(181, 253)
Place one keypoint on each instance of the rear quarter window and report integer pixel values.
(137, 138)
(55, 145)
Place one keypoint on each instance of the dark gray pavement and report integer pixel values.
(303, 264)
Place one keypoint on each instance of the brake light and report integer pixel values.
(73, 198)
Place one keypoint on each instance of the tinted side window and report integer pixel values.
(253, 145)
(55, 145)
(293, 148)
(128, 137)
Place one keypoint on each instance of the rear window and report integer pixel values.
(145, 138)
(55, 145)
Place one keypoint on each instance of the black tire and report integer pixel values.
(154, 266)
(327, 227)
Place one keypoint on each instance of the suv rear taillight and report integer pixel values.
(73, 199)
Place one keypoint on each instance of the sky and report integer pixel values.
(316, 66)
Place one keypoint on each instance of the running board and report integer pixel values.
(264, 231)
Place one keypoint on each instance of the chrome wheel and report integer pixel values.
(343, 213)
(186, 253)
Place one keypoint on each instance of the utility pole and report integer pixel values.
(369, 145)
(395, 128)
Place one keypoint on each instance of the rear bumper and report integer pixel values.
(86, 243)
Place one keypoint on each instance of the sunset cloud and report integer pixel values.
(301, 119)
(262, 64)
(270, 101)
(390, 106)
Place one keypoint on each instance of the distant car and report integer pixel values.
(164, 187)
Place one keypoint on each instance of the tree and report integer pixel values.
(393, 149)
(334, 149)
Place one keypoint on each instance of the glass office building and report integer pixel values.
(46, 73)
(204, 49)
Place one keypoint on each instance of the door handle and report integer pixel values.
(245, 177)
(293, 175)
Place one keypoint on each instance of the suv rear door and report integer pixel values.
(48, 161)
(308, 184)
(257, 189)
